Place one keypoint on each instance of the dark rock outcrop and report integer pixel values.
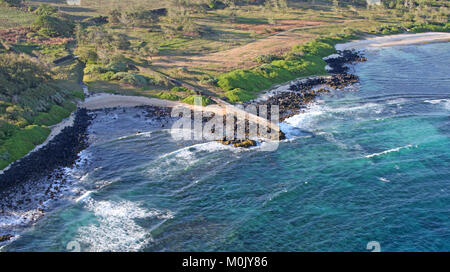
(4, 238)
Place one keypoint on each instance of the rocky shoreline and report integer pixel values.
(303, 92)
(61, 151)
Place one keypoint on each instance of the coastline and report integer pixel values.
(395, 40)
(105, 100)
(69, 138)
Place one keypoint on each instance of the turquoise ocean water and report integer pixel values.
(365, 165)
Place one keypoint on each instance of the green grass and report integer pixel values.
(167, 96)
(21, 143)
(12, 17)
(55, 115)
(302, 61)
(191, 100)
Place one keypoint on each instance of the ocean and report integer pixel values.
(368, 164)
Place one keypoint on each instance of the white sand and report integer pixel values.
(393, 40)
(104, 100)
(101, 101)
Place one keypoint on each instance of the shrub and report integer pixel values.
(182, 89)
(266, 58)
(53, 116)
(130, 78)
(207, 80)
(45, 10)
(239, 95)
(168, 96)
(107, 76)
(191, 100)
(51, 26)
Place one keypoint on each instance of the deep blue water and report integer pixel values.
(375, 166)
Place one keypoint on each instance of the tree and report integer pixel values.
(52, 26)
(45, 10)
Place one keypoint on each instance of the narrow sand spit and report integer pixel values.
(393, 40)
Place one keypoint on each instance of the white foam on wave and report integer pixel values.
(147, 134)
(41, 195)
(83, 196)
(187, 153)
(444, 102)
(332, 56)
(308, 119)
(304, 120)
(383, 179)
(390, 150)
(116, 229)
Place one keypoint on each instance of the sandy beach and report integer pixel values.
(394, 40)
(104, 100)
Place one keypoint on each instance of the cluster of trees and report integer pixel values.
(97, 45)
(28, 100)
(25, 89)
(104, 53)
(136, 17)
(420, 11)
(50, 23)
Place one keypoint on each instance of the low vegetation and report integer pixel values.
(302, 61)
(29, 103)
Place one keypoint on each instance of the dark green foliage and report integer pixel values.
(168, 96)
(45, 10)
(191, 100)
(130, 78)
(268, 58)
(27, 98)
(54, 115)
(430, 27)
(52, 26)
(18, 73)
(20, 143)
(182, 90)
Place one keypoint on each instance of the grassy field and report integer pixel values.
(11, 17)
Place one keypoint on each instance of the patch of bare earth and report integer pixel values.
(244, 56)
(28, 35)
